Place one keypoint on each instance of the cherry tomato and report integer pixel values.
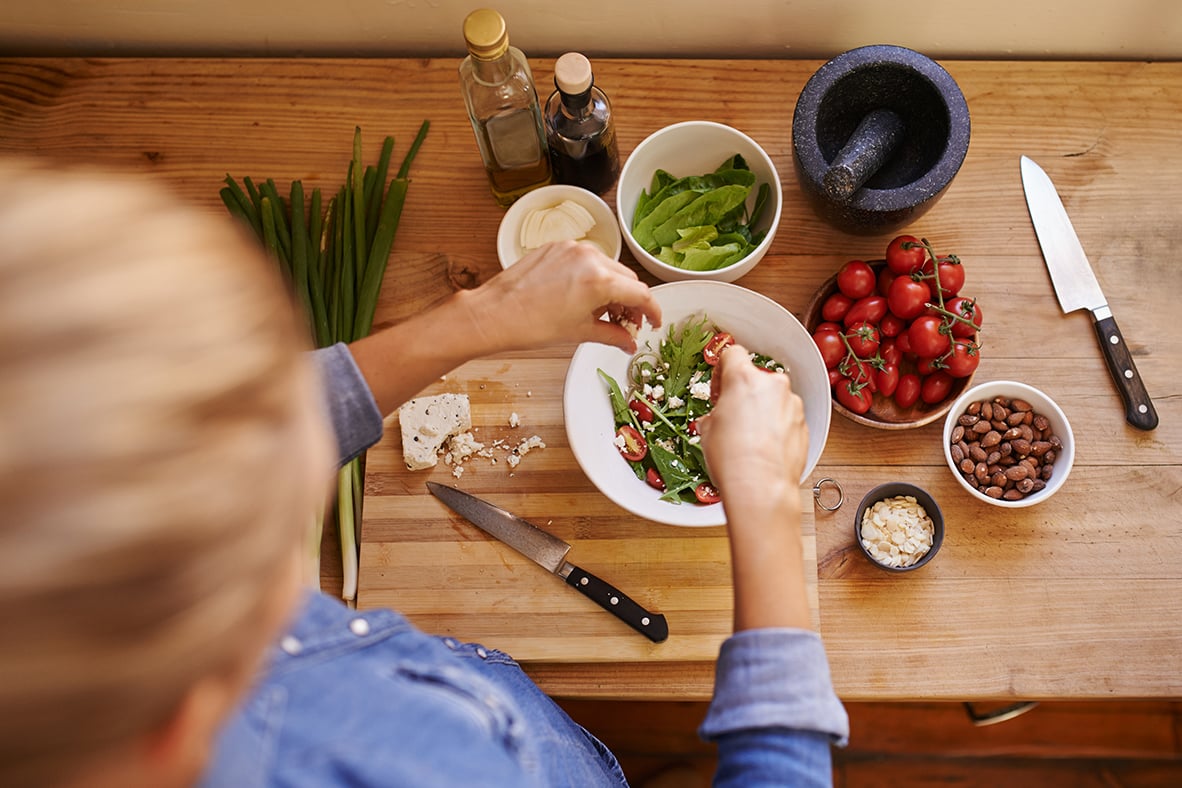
(905, 254)
(951, 277)
(891, 325)
(870, 309)
(855, 397)
(654, 479)
(963, 360)
(634, 447)
(936, 387)
(863, 339)
(907, 392)
(832, 348)
(908, 298)
(885, 277)
(903, 343)
(691, 427)
(968, 309)
(927, 366)
(707, 493)
(828, 325)
(926, 338)
(856, 279)
(887, 379)
(835, 377)
(859, 371)
(889, 350)
(713, 350)
(641, 409)
(836, 306)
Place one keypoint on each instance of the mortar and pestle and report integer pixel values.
(878, 134)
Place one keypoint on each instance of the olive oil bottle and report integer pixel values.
(580, 129)
(503, 106)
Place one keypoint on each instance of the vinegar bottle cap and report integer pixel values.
(572, 74)
(485, 34)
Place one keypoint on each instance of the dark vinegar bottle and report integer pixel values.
(579, 128)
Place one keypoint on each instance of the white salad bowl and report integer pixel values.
(696, 147)
(757, 322)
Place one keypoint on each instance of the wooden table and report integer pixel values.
(1080, 597)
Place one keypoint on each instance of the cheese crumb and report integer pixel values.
(514, 419)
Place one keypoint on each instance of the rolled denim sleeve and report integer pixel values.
(774, 712)
(356, 420)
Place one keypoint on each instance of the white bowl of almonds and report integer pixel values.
(899, 527)
(557, 213)
(1008, 444)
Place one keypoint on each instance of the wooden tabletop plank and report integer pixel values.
(1073, 598)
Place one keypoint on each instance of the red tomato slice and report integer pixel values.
(635, 446)
(707, 493)
(641, 409)
(712, 353)
(654, 479)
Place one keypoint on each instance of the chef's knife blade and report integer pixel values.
(549, 552)
(1076, 288)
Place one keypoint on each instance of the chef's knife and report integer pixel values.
(1076, 288)
(549, 552)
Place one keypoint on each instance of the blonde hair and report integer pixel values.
(153, 404)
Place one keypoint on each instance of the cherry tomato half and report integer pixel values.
(856, 279)
(691, 427)
(907, 392)
(905, 254)
(634, 446)
(713, 350)
(707, 493)
(654, 479)
(641, 409)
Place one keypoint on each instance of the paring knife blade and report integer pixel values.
(549, 552)
(1076, 288)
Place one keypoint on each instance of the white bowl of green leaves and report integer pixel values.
(698, 200)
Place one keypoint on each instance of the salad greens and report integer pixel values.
(668, 390)
(701, 222)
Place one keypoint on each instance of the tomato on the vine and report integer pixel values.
(936, 387)
(654, 479)
(707, 493)
(908, 298)
(927, 366)
(836, 306)
(832, 347)
(887, 379)
(970, 310)
(907, 392)
(631, 443)
(712, 353)
(951, 278)
(863, 338)
(926, 338)
(963, 359)
(870, 309)
(905, 254)
(856, 279)
(855, 397)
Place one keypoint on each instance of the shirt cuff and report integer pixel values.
(774, 678)
(356, 420)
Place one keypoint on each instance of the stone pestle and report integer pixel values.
(867, 149)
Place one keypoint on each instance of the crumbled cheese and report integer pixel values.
(457, 471)
(675, 401)
(427, 422)
(647, 390)
(658, 393)
(897, 532)
(463, 446)
(513, 460)
(514, 419)
(532, 442)
(700, 389)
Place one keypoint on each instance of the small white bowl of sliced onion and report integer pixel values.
(557, 213)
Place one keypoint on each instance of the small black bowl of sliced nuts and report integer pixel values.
(1008, 444)
(899, 526)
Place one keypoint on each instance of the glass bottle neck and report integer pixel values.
(577, 105)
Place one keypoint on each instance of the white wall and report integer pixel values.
(1107, 29)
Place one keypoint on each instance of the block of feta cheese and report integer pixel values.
(427, 422)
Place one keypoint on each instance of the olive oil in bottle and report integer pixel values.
(580, 129)
(503, 106)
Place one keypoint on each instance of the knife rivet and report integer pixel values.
(583, 582)
(1142, 409)
(644, 621)
(615, 600)
(1114, 339)
(1129, 374)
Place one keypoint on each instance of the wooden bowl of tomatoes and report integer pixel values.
(899, 339)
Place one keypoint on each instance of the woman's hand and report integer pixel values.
(557, 294)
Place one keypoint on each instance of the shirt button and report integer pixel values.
(480, 652)
(291, 645)
(359, 627)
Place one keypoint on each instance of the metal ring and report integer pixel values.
(819, 487)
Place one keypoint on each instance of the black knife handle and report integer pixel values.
(1139, 409)
(619, 604)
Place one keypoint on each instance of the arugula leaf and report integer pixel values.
(620, 407)
(674, 472)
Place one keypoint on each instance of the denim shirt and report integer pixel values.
(366, 699)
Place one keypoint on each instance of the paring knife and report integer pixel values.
(1076, 288)
(549, 552)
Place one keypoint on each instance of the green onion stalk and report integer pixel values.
(333, 255)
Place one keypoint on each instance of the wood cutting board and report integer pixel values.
(450, 578)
